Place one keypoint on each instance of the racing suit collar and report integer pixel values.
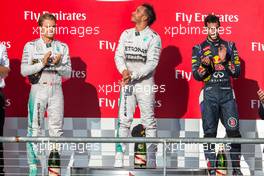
(138, 33)
(43, 42)
(214, 43)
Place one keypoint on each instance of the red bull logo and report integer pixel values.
(216, 59)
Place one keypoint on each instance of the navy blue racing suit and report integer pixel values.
(261, 111)
(217, 100)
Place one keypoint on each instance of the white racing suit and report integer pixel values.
(4, 62)
(139, 53)
(46, 93)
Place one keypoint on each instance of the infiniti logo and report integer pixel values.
(218, 74)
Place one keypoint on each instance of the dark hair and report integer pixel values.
(151, 13)
(211, 19)
(46, 16)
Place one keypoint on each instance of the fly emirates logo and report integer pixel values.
(190, 24)
(199, 17)
(62, 16)
(79, 30)
(257, 46)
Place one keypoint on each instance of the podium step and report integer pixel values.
(77, 171)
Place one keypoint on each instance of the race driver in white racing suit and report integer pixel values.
(136, 58)
(45, 61)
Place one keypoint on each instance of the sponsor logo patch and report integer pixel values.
(232, 122)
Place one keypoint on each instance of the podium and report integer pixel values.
(77, 171)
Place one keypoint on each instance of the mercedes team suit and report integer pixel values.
(4, 61)
(46, 91)
(217, 99)
(139, 53)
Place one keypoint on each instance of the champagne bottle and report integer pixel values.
(140, 149)
(54, 163)
(140, 155)
(221, 161)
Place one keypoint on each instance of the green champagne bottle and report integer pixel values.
(140, 149)
(221, 161)
(140, 155)
(54, 163)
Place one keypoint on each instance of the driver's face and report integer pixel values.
(138, 15)
(212, 29)
(48, 28)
